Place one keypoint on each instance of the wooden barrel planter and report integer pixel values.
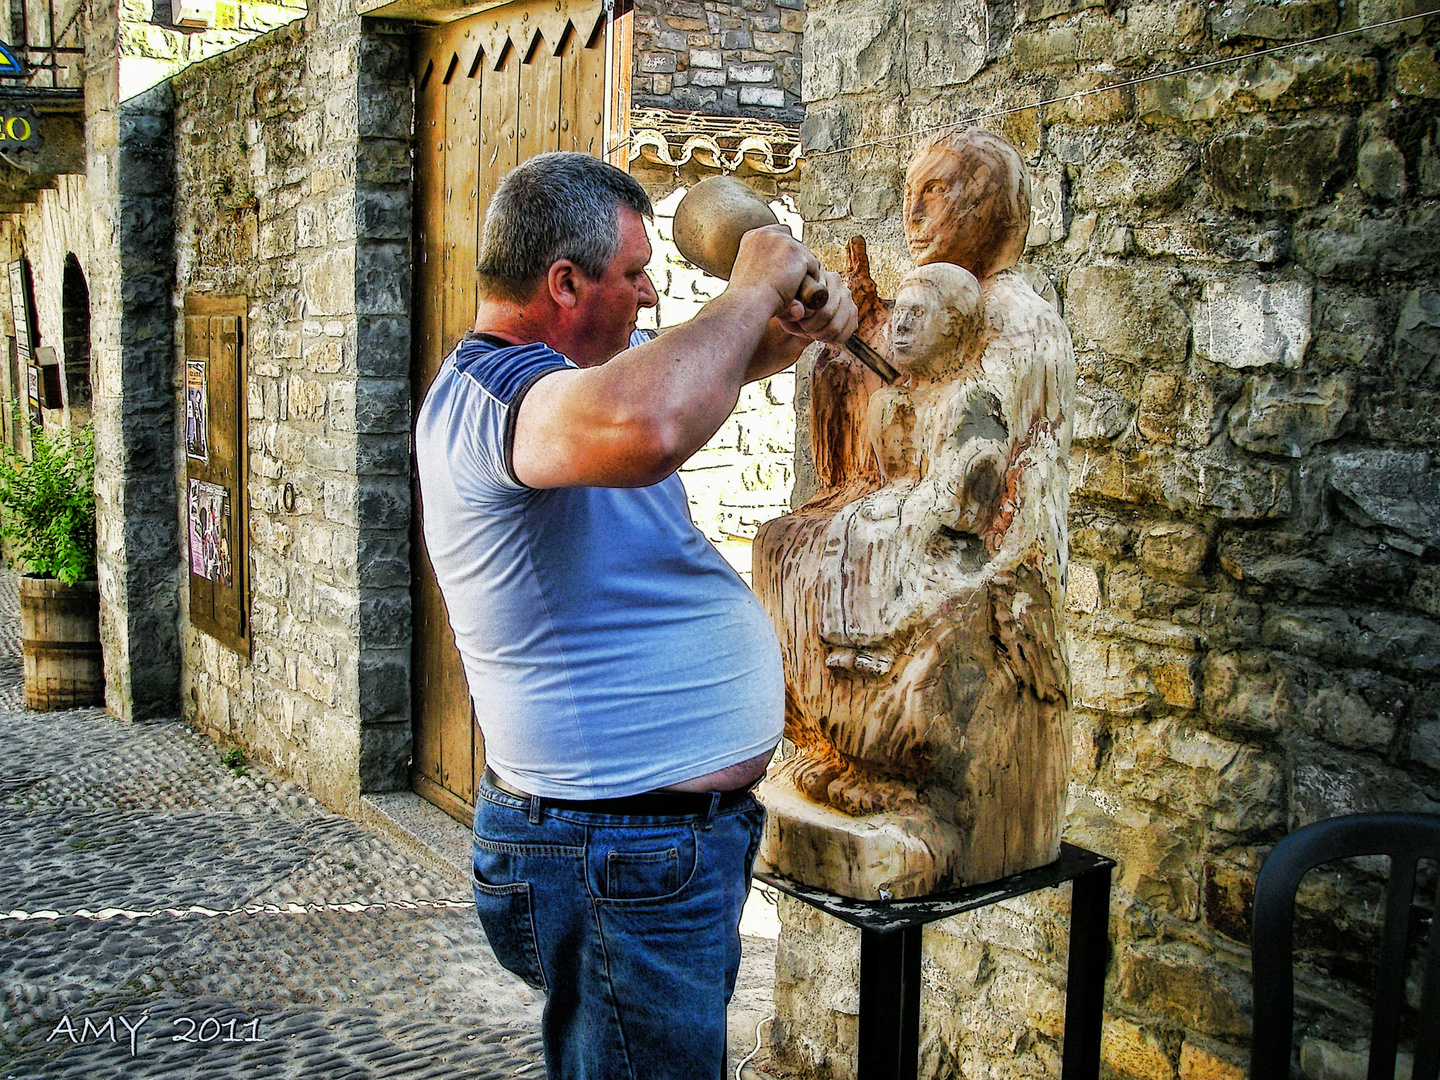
(60, 640)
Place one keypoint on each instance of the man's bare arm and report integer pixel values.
(634, 420)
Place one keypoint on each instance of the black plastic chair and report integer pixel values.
(1406, 838)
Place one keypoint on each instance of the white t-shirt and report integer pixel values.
(608, 647)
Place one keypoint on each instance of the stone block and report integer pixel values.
(382, 561)
(1405, 416)
(1417, 72)
(1406, 643)
(1425, 745)
(1047, 210)
(780, 42)
(1417, 337)
(1247, 692)
(1288, 20)
(750, 73)
(382, 405)
(1399, 489)
(858, 51)
(945, 43)
(382, 455)
(1049, 47)
(1089, 103)
(1331, 784)
(1156, 29)
(1198, 1063)
(1380, 169)
(383, 619)
(771, 97)
(1153, 178)
(385, 748)
(328, 282)
(1281, 168)
(1158, 414)
(1353, 248)
(382, 345)
(382, 503)
(652, 63)
(1269, 83)
(1358, 710)
(1174, 548)
(1125, 678)
(1247, 322)
(384, 683)
(307, 399)
(1132, 1051)
(1127, 311)
(383, 213)
(705, 58)
(1290, 415)
(1040, 10)
(1101, 415)
(382, 278)
(1187, 985)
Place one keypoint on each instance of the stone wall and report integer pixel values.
(57, 224)
(721, 57)
(293, 189)
(1245, 258)
(129, 189)
(744, 474)
(153, 49)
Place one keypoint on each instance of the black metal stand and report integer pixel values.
(890, 959)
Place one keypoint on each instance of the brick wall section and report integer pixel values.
(1246, 261)
(292, 179)
(129, 189)
(722, 57)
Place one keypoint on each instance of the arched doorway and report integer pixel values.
(75, 340)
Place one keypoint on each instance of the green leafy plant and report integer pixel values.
(234, 760)
(47, 503)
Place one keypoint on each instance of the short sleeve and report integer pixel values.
(465, 429)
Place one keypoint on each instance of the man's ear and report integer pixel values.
(563, 281)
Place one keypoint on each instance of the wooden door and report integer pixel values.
(491, 90)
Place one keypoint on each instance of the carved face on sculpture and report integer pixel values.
(967, 201)
(935, 324)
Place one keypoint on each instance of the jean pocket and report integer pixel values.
(641, 875)
(508, 920)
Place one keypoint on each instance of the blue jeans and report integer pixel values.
(629, 925)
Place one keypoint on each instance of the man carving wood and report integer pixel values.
(627, 684)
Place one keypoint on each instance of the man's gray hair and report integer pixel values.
(559, 205)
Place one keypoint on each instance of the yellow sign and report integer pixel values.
(19, 128)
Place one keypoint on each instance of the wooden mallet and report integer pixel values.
(709, 222)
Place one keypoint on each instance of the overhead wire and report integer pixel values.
(1193, 68)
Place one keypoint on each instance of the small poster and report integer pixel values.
(210, 533)
(32, 390)
(197, 411)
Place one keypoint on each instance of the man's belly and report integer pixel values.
(742, 774)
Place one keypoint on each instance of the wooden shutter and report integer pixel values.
(215, 496)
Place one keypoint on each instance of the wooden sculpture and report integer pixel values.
(919, 595)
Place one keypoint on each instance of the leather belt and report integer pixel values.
(646, 804)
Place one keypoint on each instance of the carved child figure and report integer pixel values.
(918, 596)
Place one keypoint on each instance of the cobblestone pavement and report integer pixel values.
(162, 917)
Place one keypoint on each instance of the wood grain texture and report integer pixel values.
(919, 596)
